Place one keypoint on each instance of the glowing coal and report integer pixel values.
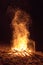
(20, 40)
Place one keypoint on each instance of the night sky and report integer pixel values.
(34, 8)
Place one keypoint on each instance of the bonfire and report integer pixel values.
(21, 42)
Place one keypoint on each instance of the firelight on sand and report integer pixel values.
(20, 40)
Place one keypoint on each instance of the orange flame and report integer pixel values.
(20, 32)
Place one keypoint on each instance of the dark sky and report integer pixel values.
(35, 8)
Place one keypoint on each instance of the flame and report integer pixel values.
(20, 42)
(20, 32)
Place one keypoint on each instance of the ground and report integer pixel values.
(10, 59)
